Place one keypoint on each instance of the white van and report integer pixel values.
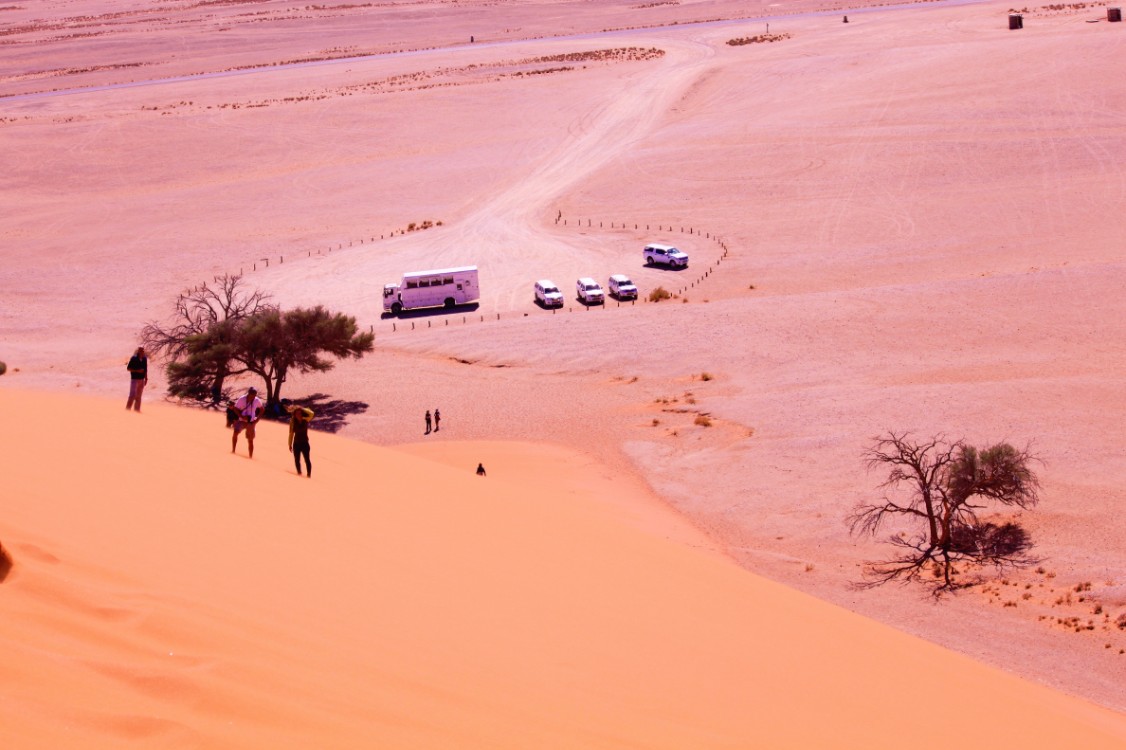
(664, 255)
(621, 287)
(547, 294)
(589, 292)
(444, 287)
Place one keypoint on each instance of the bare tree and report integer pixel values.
(199, 308)
(933, 485)
(198, 311)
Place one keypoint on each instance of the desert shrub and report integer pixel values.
(3, 368)
(703, 420)
(706, 376)
(659, 294)
(758, 39)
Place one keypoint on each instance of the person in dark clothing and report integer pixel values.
(138, 378)
(480, 470)
(299, 419)
(427, 421)
(437, 420)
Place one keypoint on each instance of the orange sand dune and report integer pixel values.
(169, 594)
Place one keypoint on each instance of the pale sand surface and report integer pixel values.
(170, 594)
(927, 205)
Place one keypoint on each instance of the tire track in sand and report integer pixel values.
(605, 125)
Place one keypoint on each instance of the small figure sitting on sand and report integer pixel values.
(480, 470)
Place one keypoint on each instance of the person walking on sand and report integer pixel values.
(437, 420)
(249, 408)
(138, 378)
(427, 422)
(299, 419)
(480, 470)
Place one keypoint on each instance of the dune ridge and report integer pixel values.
(167, 593)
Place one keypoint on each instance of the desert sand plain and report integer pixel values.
(910, 221)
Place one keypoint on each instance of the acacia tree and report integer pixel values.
(937, 489)
(272, 343)
(207, 359)
(196, 339)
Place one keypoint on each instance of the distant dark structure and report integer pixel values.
(1114, 15)
(846, 19)
(1016, 21)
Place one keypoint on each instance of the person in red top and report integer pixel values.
(249, 408)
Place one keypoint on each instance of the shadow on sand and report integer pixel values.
(332, 413)
(5, 563)
(431, 312)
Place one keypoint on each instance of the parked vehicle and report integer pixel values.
(621, 287)
(547, 294)
(445, 287)
(589, 292)
(664, 255)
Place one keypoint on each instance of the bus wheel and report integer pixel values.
(449, 303)
(396, 308)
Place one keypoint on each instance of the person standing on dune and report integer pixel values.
(427, 422)
(249, 408)
(138, 378)
(437, 420)
(299, 419)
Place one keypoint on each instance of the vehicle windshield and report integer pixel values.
(625, 282)
(592, 287)
(550, 290)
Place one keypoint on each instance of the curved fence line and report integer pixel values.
(466, 318)
(446, 317)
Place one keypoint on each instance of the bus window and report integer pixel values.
(448, 280)
(412, 284)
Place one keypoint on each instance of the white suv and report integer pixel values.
(665, 255)
(547, 294)
(621, 287)
(589, 291)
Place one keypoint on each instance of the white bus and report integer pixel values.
(444, 287)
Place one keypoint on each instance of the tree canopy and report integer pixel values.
(273, 343)
(935, 493)
(230, 330)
